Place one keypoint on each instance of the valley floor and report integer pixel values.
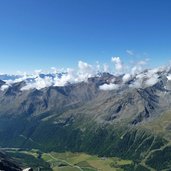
(67, 161)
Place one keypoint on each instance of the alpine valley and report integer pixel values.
(123, 121)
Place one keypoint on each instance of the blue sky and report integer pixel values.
(38, 34)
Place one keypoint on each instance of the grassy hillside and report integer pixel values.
(138, 144)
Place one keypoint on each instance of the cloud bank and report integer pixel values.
(118, 64)
(109, 87)
(134, 76)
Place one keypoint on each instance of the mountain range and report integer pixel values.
(124, 115)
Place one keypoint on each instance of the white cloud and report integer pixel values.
(110, 86)
(54, 70)
(85, 71)
(98, 67)
(130, 52)
(152, 80)
(169, 77)
(84, 67)
(118, 64)
(38, 83)
(138, 67)
(4, 87)
(136, 84)
(106, 68)
(37, 71)
(69, 77)
(146, 79)
(58, 77)
(126, 77)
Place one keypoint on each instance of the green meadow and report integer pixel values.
(67, 161)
